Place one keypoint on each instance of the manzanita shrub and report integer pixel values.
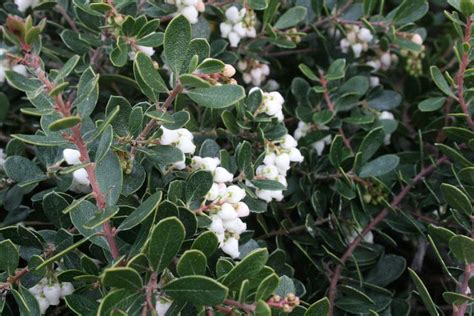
(264, 157)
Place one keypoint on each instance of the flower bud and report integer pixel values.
(43, 303)
(231, 247)
(72, 156)
(81, 176)
(66, 289)
(234, 194)
(242, 209)
(227, 212)
(222, 175)
(417, 39)
(229, 71)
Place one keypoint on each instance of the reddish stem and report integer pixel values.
(64, 108)
(374, 222)
(332, 108)
(460, 75)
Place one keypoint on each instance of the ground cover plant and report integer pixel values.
(254, 157)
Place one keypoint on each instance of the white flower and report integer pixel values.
(234, 194)
(72, 156)
(231, 247)
(213, 192)
(251, 32)
(345, 44)
(232, 14)
(417, 39)
(36, 289)
(66, 289)
(227, 212)
(228, 71)
(386, 60)
(357, 49)
(180, 165)
(217, 225)
(386, 115)
(374, 64)
(368, 238)
(234, 39)
(269, 159)
(81, 176)
(374, 81)
(162, 306)
(191, 14)
(235, 226)
(225, 28)
(190, 2)
(52, 293)
(210, 163)
(282, 162)
(2, 158)
(43, 303)
(239, 29)
(186, 145)
(267, 171)
(242, 209)
(222, 175)
(301, 130)
(23, 5)
(288, 142)
(149, 51)
(295, 155)
(268, 195)
(169, 136)
(365, 35)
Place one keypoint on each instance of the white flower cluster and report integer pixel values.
(149, 51)
(239, 24)
(272, 104)
(357, 38)
(47, 293)
(304, 128)
(253, 71)
(182, 139)
(226, 206)
(385, 115)
(23, 5)
(278, 156)
(189, 8)
(5, 64)
(383, 62)
(80, 179)
(162, 305)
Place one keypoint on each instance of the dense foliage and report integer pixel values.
(190, 157)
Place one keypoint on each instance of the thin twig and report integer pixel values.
(460, 75)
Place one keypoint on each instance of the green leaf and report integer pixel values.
(370, 144)
(271, 185)
(27, 303)
(410, 11)
(81, 305)
(87, 93)
(210, 66)
(197, 185)
(318, 308)
(60, 254)
(122, 277)
(456, 198)
(424, 294)
(467, 8)
(53, 206)
(192, 262)
(64, 123)
(105, 143)
(217, 97)
(206, 242)
(165, 242)
(101, 217)
(142, 212)
(431, 104)
(463, 248)
(67, 68)
(10, 257)
(258, 4)
(291, 17)
(176, 42)
(23, 171)
(457, 298)
(336, 69)
(40, 140)
(266, 288)
(80, 215)
(247, 268)
(308, 72)
(441, 82)
(119, 302)
(199, 290)
(21, 82)
(109, 176)
(388, 269)
(262, 309)
(149, 75)
(379, 166)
